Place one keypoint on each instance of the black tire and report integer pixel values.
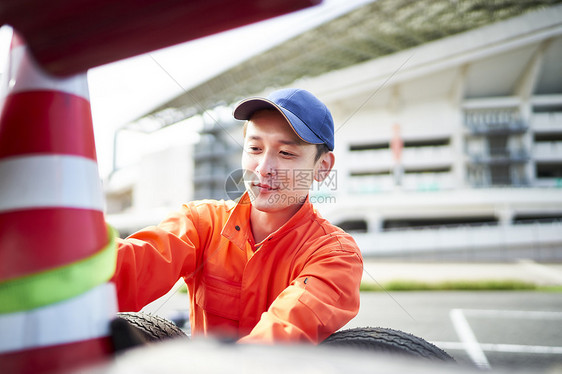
(388, 341)
(153, 328)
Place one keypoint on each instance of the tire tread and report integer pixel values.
(387, 340)
(153, 327)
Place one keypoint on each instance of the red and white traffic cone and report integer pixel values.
(56, 253)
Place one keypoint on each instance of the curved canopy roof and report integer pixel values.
(371, 31)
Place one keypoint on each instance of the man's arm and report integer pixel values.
(323, 298)
(151, 261)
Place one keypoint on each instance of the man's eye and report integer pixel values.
(288, 154)
(253, 149)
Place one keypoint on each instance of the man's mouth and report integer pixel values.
(264, 186)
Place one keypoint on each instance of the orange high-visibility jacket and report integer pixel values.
(299, 284)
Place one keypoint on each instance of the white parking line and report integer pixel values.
(516, 348)
(520, 314)
(468, 339)
(504, 348)
(475, 350)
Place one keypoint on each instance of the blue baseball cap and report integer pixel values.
(309, 117)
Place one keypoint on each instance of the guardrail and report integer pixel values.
(541, 241)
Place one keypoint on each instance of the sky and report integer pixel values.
(125, 90)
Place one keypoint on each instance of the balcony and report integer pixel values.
(547, 151)
(499, 156)
(499, 121)
(420, 157)
(547, 122)
(548, 182)
(370, 183)
(412, 157)
(369, 160)
(423, 181)
(497, 128)
(428, 181)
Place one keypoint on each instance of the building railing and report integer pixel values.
(494, 121)
(533, 239)
(370, 183)
(547, 122)
(428, 181)
(428, 156)
(548, 182)
(499, 156)
(382, 159)
(509, 183)
(409, 181)
(497, 128)
(547, 151)
(369, 159)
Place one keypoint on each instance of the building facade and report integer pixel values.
(451, 149)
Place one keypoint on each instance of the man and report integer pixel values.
(267, 268)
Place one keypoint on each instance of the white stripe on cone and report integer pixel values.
(33, 181)
(25, 75)
(81, 318)
(49, 181)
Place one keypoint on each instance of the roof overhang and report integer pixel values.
(380, 28)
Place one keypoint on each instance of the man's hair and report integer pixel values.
(320, 148)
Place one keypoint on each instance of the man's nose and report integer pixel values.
(267, 165)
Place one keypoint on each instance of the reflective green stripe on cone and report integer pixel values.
(54, 285)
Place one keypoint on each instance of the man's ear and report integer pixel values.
(324, 166)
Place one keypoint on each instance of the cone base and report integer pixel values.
(59, 358)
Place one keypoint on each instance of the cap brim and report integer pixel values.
(247, 108)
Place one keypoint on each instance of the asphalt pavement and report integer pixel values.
(513, 331)
(502, 330)
(490, 330)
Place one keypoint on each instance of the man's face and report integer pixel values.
(279, 166)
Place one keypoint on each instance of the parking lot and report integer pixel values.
(503, 330)
(491, 329)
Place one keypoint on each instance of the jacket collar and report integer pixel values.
(237, 227)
